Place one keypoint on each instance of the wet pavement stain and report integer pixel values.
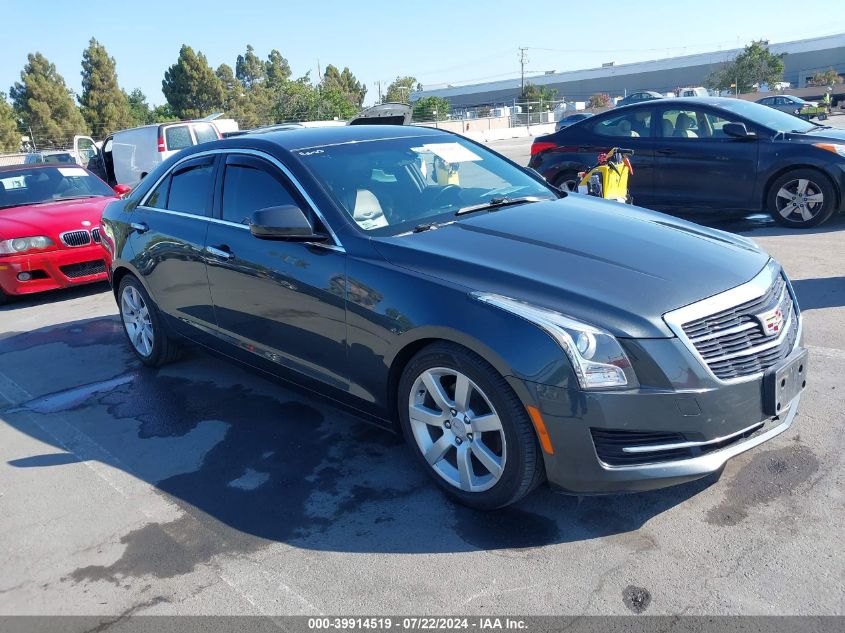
(74, 398)
(636, 599)
(768, 476)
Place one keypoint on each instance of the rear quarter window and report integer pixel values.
(205, 133)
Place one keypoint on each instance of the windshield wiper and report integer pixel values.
(495, 203)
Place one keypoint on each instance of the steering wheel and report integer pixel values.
(436, 202)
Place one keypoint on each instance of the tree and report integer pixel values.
(10, 137)
(334, 104)
(139, 109)
(276, 70)
(400, 90)
(297, 101)
(163, 114)
(345, 83)
(249, 69)
(754, 66)
(232, 88)
(533, 92)
(828, 77)
(599, 100)
(45, 105)
(431, 109)
(104, 105)
(190, 86)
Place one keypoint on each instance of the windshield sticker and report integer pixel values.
(452, 152)
(72, 172)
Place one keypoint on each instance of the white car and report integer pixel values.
(129, 155)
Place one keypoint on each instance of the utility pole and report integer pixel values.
(523, 59)
(378, 83)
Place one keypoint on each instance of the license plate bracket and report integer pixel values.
(783, 383)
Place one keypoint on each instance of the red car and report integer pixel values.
(49, 227)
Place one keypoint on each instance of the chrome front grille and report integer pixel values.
(95, 235)
(733, 342)
(75, 238)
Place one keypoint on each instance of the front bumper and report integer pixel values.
(53, 269)
(712, 425)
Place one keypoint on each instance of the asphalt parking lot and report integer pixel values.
(202, 488)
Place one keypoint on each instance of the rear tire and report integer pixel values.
(567, 181)
(475, 440)
(143, 324)
(801, 198)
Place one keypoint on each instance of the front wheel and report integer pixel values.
(468, 428)
(567, 181)
(802, 198)
(143, 324)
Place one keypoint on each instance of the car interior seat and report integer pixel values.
(683, 126)
(624, 127)
(668, 128)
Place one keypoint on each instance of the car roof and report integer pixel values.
(302, 138)
(22, 167)
(706, 101)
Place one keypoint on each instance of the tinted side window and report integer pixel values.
(249, 188)
(158, 198)
(190, 189)
(689, 123)
(630, 125)
(178, 137)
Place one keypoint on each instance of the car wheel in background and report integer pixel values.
(567, 181)
(144, 326)
(468, 428)
(801, 198)
(4, 298)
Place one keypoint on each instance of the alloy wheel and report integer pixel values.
(799, 200)
(457, 429)
(136, 320)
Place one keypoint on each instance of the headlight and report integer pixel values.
(24, 244)
(832, 147)
(598, 359)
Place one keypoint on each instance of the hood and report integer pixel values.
(51, 218)
(819, 135)
(612, 265)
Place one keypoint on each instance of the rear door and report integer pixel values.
(282, 302)
(629, 129)
(699, 167)
(170, 230)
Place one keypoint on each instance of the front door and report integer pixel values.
(699, 167)
(170, 230)
(280, 301)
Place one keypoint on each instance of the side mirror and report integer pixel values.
(121, 190)
(287, 222)
(737, 130)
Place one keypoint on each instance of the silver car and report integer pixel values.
(787, 103)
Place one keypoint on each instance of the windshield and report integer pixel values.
(33, 185)
(767, 117)
(394, 185)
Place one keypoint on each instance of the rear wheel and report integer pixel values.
(802, 198)
(567, 181)
(468, 428)
(143, 324)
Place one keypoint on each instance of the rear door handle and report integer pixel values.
(140, 227)
(667, 152)
(220, 252)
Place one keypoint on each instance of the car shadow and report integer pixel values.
(820, 292)
(255, 462)
(762, 225)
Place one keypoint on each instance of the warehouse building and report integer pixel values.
(803, 59)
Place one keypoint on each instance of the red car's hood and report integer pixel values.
(52, 218)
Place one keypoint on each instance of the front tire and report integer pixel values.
(468, 428)
(801, 198)
(567, 181)
(144, 326)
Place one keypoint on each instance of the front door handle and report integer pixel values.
(667, 152)
(220, 252)
(140, 227)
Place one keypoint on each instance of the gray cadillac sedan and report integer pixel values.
(513, 333)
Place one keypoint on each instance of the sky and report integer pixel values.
(436, 41)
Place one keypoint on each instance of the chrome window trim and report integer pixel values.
(743, 293)
(338, 245)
